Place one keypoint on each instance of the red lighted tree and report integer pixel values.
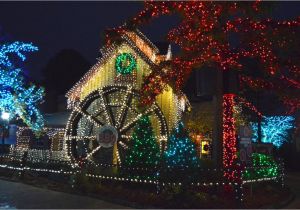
(224, 34)
(227, 36)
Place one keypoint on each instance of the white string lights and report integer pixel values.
(107, 106)
(25, 138)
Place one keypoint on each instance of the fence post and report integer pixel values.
(22, 164)
(239, 196)
(159, 182)
(282, 173)
(161, 166)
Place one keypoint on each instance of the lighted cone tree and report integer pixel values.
(144, 150)
(181, 151)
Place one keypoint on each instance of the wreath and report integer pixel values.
(125, 63)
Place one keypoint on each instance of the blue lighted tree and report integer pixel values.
(275, 129)
(181, 151)
(16, 97)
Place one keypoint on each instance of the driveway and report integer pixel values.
(293, 181)
(14, 195)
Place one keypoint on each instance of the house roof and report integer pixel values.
(107, 51)
(58, 119)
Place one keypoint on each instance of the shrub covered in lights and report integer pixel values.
(264, 167)
(181, 151)
(144, 150)
(274, 129)
(18, 98)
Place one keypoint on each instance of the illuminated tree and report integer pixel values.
(275, 129)
(17, 98)
(144, 150)
(200, 119)
(227, 36)
(224, 35)
(181, 150)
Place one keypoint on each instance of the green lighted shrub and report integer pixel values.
(264, 166)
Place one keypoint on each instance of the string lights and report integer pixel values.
(264, 167)
(229, 132)
(17, 48)
(25, 140)
(87, 120)
(205, 36)
(18, 98)
(181, 151)
(125, 63)
(109, 94)
(144, 150)
(274, 129)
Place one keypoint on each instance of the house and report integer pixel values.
(106, 100)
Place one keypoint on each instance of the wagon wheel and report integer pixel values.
(114, 107)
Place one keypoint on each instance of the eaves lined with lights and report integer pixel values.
(137, 42)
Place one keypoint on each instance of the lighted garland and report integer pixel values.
(125, 63)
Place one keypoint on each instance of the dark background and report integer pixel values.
(70, 34)
(54, 26)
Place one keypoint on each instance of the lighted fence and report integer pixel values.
(36, 155)
(159, 177)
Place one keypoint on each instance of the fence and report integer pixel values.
(36, 155)
(159, 176)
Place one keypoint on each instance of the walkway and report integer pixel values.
(14, 195)
(293, 181)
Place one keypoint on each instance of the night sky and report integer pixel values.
(54, 26)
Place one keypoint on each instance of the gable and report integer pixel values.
(105, 74)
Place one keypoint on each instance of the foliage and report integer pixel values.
(181, 151)
(227, 35)
(275, 129)
(18, 98)
(144, 150)
(200, 120)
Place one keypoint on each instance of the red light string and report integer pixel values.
(229, 132)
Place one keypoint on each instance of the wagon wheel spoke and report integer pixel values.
(80, 138)
(106, 108)
(124, 145)
(118, 156)
(91, 161)
(123, 112)
(109, 111)
(89, 117)
(92, 152)
(125, 138)
(131, 124)
(91, 130)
